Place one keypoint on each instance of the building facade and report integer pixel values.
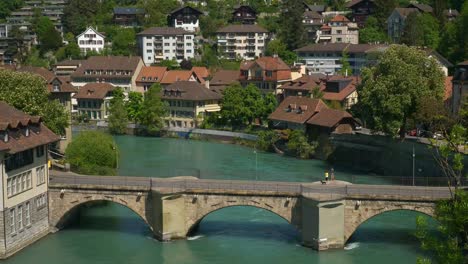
(312, 22)
(242, 41)
(24, 213)
(186, 18)
(166, 43)
(93, 100)
(128, 16)
(459, 87)
(189, 103)
(338, 30)
(361, 10)
(396, 23)
(326, 58)
(121, 71)
(91, 40)
(244, 14)
(267, 73)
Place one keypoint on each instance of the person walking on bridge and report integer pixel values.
(326, 175)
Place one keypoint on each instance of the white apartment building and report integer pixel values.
(24, 213)
(326, 57)
(338, 30)
(245, 42)
(166, 43)
(91, 40)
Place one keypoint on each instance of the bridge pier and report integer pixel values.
(169, 215)
(323, 223)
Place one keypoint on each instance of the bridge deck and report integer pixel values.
(190, 185)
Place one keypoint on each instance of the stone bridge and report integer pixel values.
(325, 215)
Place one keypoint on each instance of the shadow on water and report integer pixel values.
(248, 229)
(383, 235)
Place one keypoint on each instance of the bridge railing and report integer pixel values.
(221, 185)
(101, 180)
(398, 191)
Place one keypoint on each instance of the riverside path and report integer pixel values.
(325, 215)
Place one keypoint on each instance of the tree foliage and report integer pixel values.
(345, 65)
(298, 144)
(291, 29)
(266, 140)
(421, 30)
(390, 91)
(241, 106)
(153, 110)
(93, 153)
(134, 105)
(276, 47)
(118, 119)
(28, 93)
(124, 42)
(454, 40)
(372, 33)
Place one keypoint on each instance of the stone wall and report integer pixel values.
(21, 238)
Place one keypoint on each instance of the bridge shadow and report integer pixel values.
(246, 222)
(104, 216)
(395, 227)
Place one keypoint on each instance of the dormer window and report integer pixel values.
(56, 88)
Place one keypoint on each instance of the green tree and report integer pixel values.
(29, 94)
(233, 111)
(291, 29)
(454, 40)
(266, 140)
(134, 105)
(276, 47)
(51, 41)
(269, 106)
(298, 145)
(421, 30)
(317, 93)
(78, 14)
(93, 153)
(390, 90)
(157, 11)
(123, 43)
(153, 110)
(372, 33)
(118, 119)
(7, 6)
(383, 10)
(345, 66)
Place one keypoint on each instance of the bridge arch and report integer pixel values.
(284, 208)
(371, 209)
(63, 205)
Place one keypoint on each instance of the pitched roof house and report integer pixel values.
(189, 103)
(148, 76)
(244, 14)
(267, 73)
(119, 71)
(312, 116)
(93, 100)
(361, 10)
(396, 22)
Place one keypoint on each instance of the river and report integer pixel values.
(114, 234)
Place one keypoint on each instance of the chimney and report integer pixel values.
(207, 84)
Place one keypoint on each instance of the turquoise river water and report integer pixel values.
(112, 234)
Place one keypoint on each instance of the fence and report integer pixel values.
(404, 181)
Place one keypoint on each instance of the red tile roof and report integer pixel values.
(201, 72)
(94, 91)
(304, 110)
(12, 119)
(340, 96)
(297, 109)
(339, 18)
(306, 82)
(328, 117)
(156, 74)
(176, 75)
(189, 91)
(43, 72)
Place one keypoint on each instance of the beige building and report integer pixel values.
(338, 30)
(93, 100)
(24, 174)
(242, 41)
(189, 103)
(121, 71)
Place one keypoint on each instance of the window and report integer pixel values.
(189, 51)
(149, 51)
(27, 214)
(12, 221)
(40, 175)
(19, 160)
(269, 73)
(41, 201)
(56, 88)
(18, 183)
(26, 131)
(149, 44)
(20, 217)
(188, 37)
(40, 151)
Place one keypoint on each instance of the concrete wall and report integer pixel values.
(384, 156)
